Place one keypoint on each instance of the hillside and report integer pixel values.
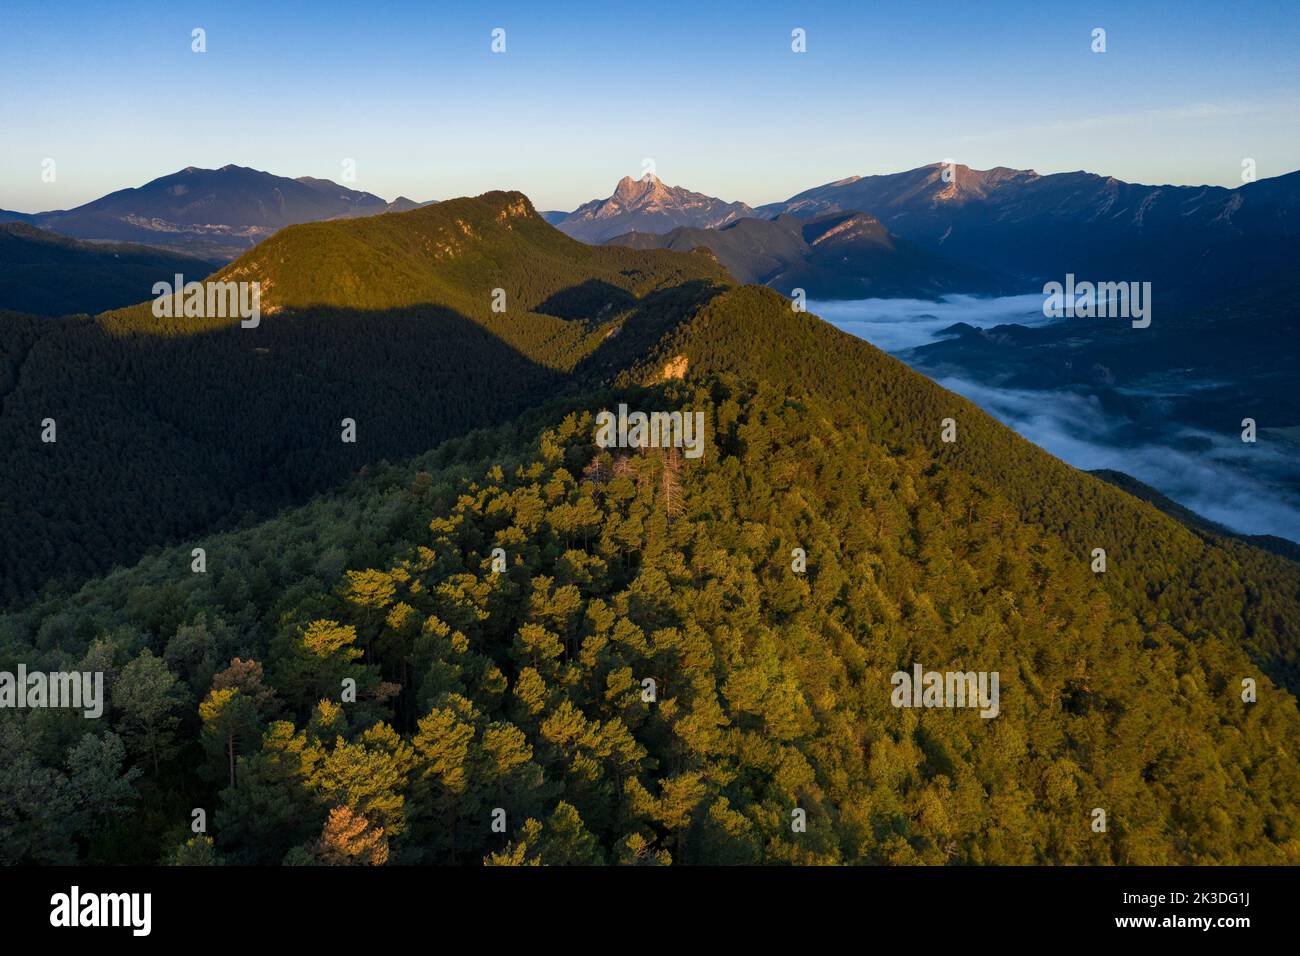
(46, 274)
(833, 256)
(201, 423)
(1166, 574)
(1193, 521)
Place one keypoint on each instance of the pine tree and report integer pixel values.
(349, 840)
(148, 695)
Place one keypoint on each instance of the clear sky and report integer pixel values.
(711, 91)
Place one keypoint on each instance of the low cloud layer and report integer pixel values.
(898, 324)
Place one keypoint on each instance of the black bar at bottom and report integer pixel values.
(726, 905)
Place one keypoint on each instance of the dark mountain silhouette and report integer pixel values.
(1178, 363)
(1189, 241)
(217, 213)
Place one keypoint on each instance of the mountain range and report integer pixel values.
(991, 228)
(1188, 241)
(1220, 261)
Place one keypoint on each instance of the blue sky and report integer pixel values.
(586, 91)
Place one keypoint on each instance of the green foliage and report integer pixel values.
(148, 695)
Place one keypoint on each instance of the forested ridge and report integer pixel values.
(173, 427)
(521, 690)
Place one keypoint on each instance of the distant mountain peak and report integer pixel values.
(648, 204)
(629, 183)
(649, 188)
(216, 213)
(510, 204)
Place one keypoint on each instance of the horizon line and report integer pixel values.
(843, 179)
